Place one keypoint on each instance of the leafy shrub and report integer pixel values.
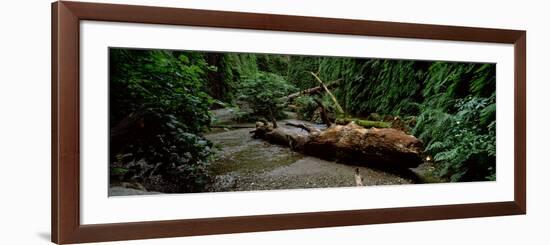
(262, 92)
(162, 156)
(158, 109)
(306, 107)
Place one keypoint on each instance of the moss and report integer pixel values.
(364, 123)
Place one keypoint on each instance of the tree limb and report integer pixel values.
(338, 107)
(311, 90)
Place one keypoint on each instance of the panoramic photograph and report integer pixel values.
(193, 121)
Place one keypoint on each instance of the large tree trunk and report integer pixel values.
(353, 144)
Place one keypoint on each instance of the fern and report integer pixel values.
(463, 148)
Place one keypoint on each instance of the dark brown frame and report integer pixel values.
(66, 227)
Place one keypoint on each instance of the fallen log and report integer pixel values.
(383, 148)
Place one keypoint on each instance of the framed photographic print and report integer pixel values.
(177, 122)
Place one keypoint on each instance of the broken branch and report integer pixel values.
(311, 90)
(338, 107)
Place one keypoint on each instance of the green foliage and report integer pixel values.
(245, 65)
(457, 120)
(463, 144)
(231, 70)
(235, 68)
(373, 85)
(171, 81)
(277, 64)
(306, 107)
(263, 91)
(446, 82)
(158, 108)
(178, 159)
(298, 71)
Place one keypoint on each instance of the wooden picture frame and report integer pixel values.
(65, 175)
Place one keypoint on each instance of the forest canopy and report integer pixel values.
(161, 106)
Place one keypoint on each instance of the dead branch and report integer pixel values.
(329, 93)
(313, 90)
(358, 178)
